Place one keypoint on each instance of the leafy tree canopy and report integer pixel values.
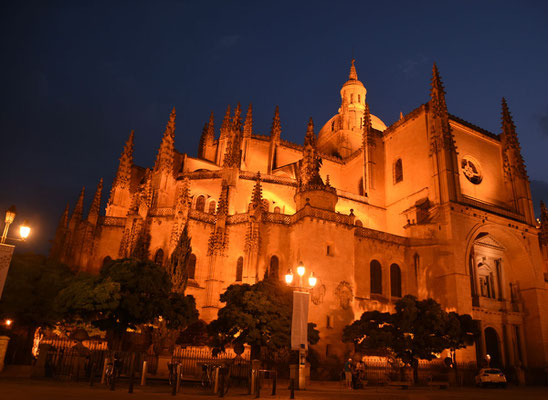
(416, 330)
(32, 284)
(126, 293)
(258, 315)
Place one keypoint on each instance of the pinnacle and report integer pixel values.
(225, 125)
(276, 129)
(310, 138)
(237, 119)
(248, 124)
(257, 196)
(353, 74)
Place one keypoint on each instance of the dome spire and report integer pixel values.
(353, 76)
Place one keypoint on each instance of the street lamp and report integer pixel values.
(24, 229)
(6, 250)
(299, 320)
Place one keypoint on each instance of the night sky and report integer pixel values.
(77, 76)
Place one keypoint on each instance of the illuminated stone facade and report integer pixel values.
(431, 205)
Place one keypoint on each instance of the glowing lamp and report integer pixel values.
(24, 230)
(301, 269)
(312, 280)
(9, 322)
(289, 277)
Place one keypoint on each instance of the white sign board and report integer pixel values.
(299, 322)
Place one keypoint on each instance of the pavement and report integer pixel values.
(47, 389)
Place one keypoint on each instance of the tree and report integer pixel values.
(126, 293)
(258, 315)
(31, 286)
(416, 330)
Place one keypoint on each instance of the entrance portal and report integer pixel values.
(492, 347)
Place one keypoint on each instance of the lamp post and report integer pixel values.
(6, 250)
(299, 319)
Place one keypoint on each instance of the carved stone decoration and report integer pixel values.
(317, 294)
(344, 294)
(181, 212)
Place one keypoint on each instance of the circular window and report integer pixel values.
(471, 169)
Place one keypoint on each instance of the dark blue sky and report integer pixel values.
(77, 76)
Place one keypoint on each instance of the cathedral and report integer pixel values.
(431, 205)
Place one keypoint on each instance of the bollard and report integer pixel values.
(92, 373)
(179, 373)
(144, 374)
(131, 373)
(216, 380)
(252, 382)
(222, 385)
(114, 372)
(104, 371)
(173, 382)
(292, 388)
(258, 385)
(274, 378)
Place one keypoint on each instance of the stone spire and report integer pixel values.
(257, 195)
(225, 126)
(311, 163)
(164, 159)
(78, 211)
(310, 137)
(201, 145)
(63, 221)
(543, 237)
(367, 134)
(222, 204)
(59, 240)
(232, 156)
(248, 124)
(93, 214)
(442, 136)
(512, 159)
(123, 175)
(208, 136)
(218, 240)
(276, 129)
(237, 121)
(353, 75)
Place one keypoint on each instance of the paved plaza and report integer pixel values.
(26, 389)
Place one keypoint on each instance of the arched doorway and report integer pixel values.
(492, 347)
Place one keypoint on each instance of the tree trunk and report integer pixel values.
(415, 365)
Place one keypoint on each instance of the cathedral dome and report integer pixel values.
(341, 135)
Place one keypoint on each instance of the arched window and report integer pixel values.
(212, 206)
(351, 97)
(277, 210)
(395, 280)
(359, 98)
(200, 203)
(239, 269)
(398, 171)
(159, 257)
(376, 277)
(191, 266)
(333, 125)
(274, 267)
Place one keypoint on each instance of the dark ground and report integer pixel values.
(23, 389)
